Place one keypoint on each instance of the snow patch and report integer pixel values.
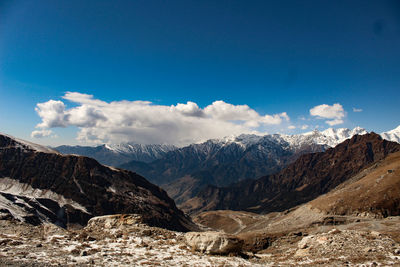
(14, 187)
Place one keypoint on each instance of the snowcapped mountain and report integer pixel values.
(330, 137)
(393, 135)
(227, 160)
(118, 154)
(230, 147)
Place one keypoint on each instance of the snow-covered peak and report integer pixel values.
(333, 137)
(329, 137)
(19, 143)
(244, 140)
(392, 135)
(129, 148)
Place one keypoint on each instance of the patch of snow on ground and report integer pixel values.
(12, 186)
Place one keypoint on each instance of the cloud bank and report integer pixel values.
(334, 113)
(144, 122)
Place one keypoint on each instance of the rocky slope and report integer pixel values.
(369, 195)
(122, 240)
(377, 189)
(38, 186)
(308, 177)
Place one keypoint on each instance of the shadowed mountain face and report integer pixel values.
(308, 177)
(73, 189)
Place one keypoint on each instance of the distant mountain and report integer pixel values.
(226, 160)
(40, 185)
(393, 135)
(220, 162)
(303, 180)
(114, 155)
(329, 137)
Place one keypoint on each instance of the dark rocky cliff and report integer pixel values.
(99, 189)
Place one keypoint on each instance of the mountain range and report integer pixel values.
(344, 199)
(183, 172)
(117, 154)
(310, 176)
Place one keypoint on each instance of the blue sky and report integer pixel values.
(274, 56)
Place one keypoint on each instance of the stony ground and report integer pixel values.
(335, 248)
(138, 245)
(134, 244)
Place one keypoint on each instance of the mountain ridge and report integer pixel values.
(34, 182)
(306, 178)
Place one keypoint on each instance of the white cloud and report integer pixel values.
(335, 113)
(145, 122)
(52, 114)
(42, 133)
(291, 127)
(334, 122)
(304, 127)
(357, 110)
(189, 109)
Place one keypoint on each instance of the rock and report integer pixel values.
(146, 232)
(302, 252)
(113, 221)
(397, 251)
(213, 242)
(375, 234)
(369, 249)
(305, 242)
(334, 231)
(322, 239)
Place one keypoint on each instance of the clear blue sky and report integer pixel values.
(274, 56)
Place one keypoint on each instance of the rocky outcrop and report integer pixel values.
(85, 185)
(213, 242)
(114, 221)
(308, 177)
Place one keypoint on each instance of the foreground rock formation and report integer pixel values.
(122, 240)
(213, 242)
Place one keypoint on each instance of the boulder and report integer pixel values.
(114, 221)
(213, 242)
